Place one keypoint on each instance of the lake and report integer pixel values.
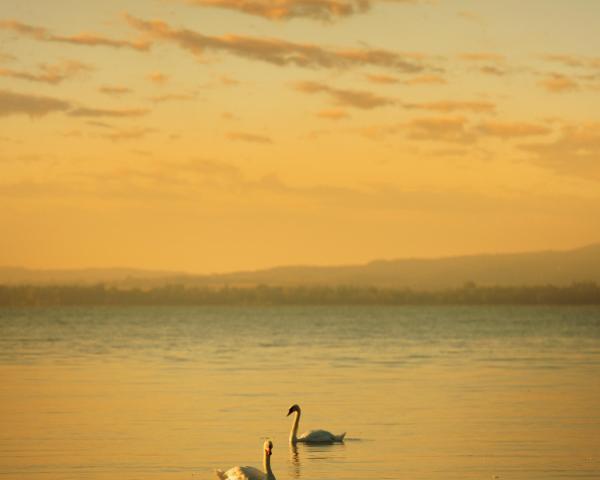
(423, 393)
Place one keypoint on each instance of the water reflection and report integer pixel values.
(294, 461)
(313, 454)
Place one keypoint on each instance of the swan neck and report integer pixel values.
(267, 465)
(294, 433)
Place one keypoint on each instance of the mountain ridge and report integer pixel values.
(555, 267)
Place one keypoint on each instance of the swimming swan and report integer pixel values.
(251, 473)
(312, 436)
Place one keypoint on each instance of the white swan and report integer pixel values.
(312, 436)
(251, 473)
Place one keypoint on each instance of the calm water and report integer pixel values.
(424, 393)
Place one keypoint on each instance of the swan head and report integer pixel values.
(293, 408)
(268, 446)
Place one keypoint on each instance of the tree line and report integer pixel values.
(584, 293)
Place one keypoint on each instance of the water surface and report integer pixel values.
(424, 393)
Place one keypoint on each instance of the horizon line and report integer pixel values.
(304, 265)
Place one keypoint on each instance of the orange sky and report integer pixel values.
(215, 135)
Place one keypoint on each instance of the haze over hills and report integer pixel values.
(558, 268)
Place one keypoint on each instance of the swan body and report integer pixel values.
(312, 436)
(241, 473)
(251, 473)
(320, 436)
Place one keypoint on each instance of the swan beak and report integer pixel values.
(289, 413)
(268, 451)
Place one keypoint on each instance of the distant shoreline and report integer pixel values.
(585, 293)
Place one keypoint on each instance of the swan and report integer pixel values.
(312, 436)
(251, 473)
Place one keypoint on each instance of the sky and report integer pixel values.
(219, 135)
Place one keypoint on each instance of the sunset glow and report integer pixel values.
(218, 135)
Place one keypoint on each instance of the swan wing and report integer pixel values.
(318, 436)
(241, 473)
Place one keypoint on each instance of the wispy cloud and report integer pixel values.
(576, 61)
(128, 134)
(350, 98)
(158, 78)
(277, 51)
(493, 70)
(448, 106)
(508, 130)
(52, 74)
(228, 81)
(36, 105)
(12, 103)
(379, 132)
(333, 114)
(488, 63)
(452, 129)
(448, 129)
(425, 80)
(575, 152)
(107, 112)
(455, 129)
(249, 137)
(558, 83)
(84, 38)
(114, 90)
(383, 79)
(170, 97)
(323, 10)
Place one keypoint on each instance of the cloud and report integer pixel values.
(35, 106)
(12, 103)
(52, 74)
(114, 90)
(558, 83)
(99, 124)
(490, 63)
(351, 98)
(379, 132)
(158, 78)
(333, 114)
(449, 106)
(249, 137)
(451, 129)
(170, 97)
(229, 81)
(448, 129)
(129, 134)
(575, 61)
(493, 70)
(106, 112)
(87, 39)
(276, 51)
(425, 80)
(382, 79)
(454, 129)
(323, 10)
(575, 152)
(508, 130)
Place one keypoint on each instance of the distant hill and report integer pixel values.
(558, 268)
